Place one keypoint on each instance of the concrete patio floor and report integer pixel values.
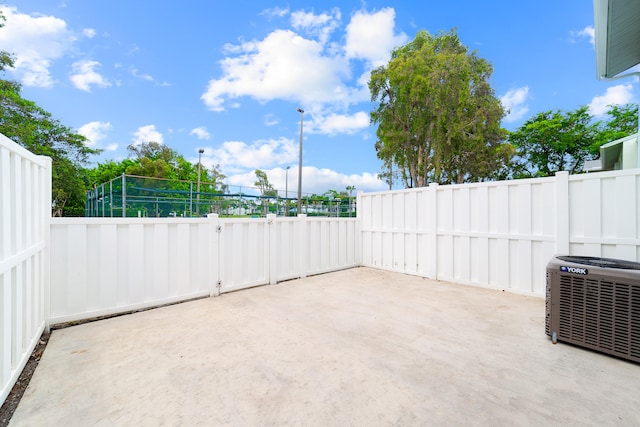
(358, 347)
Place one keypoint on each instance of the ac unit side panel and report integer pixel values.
(547, 305)
(551, 304)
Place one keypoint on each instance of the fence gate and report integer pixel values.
(243, 253)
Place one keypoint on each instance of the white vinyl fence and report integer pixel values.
(25, 208)
(502, 234)
(499, 235)
(102, 266)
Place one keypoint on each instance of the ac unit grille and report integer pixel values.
(599, 314)
(547, 306)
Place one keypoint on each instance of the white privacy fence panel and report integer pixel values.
(25, 208)
(501, 234)
(244, 253)
(288, 248)
(329, 244)
(269, 250)
(604, 219)
(103, 266)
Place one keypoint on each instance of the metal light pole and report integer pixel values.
(301, 111)
(350, 188)
(200, 151)
(286, 190)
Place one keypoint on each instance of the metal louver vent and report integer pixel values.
(595, 307)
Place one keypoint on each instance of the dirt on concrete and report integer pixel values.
(13, 399)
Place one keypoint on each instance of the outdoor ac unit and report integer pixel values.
(594, 303)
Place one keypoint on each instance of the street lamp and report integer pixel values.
(301, 111)
(350, 188)
(200, 152)
(286, 190)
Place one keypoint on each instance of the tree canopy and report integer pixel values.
(36, 130)
(622, 121)
(156, 160)
(553, 141)
(438, 119)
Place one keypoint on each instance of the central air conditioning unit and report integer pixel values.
(594, 303)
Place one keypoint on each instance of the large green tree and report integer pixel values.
(438, 118)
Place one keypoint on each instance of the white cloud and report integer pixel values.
(36, 42)
(275, 12)
(239, 161)
(200, 132)
(341, 123)
(314, 180)
(94, 131)
(282, 66)
(587, 32)
(237, 156)
(615, 95)
(144, 76)
(111, 147)
(146, 134)
(515, 103)
(308, 71)
(320, 26)
(371, 36)
(84, 75)
(134, 48)
(318, 181)
(89, 33)
(271, 120)
(309, 20)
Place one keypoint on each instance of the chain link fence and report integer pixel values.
(136, 196)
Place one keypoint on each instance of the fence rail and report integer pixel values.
(25, 208)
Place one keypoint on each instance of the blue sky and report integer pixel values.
(228, 77)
